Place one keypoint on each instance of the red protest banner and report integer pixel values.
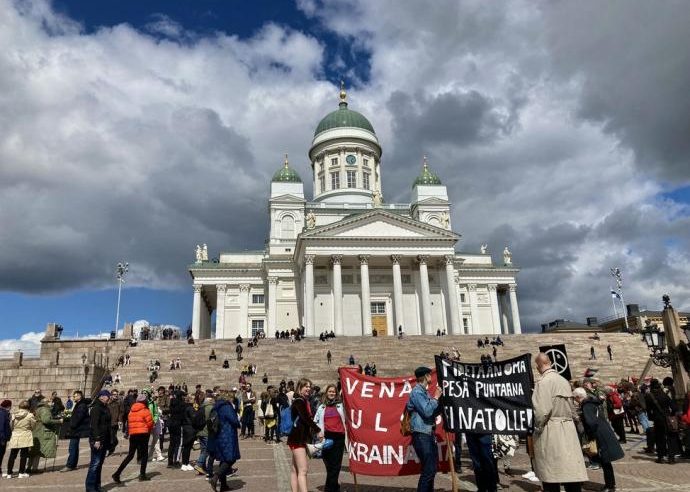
(374, 408)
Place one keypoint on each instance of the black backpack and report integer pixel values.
(199, 419)
(213, 423)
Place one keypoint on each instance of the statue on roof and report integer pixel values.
(445, 220)
(483, 248)
(377, 198)
(311, 220)
(199, 254)
(507, 256)
(204, 253)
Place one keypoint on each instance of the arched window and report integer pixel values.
(287, 227)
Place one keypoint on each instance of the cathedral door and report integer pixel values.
(379, 320)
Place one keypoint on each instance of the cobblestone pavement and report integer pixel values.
(265, 468)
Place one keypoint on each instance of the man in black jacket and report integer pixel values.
(99, 440)
(78, 428)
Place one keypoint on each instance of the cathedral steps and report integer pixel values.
(284, 360)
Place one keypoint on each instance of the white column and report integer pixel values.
(220, 311)
(459, 304)
(272, 304)
(427, 329)
(244, 312)
(495, 317)
(474, 322)
(366, 295)
(455, 326)
(505, 313)
(196, 312)
(337, 295)
(397, 294)
(309, 295)
(514, 308)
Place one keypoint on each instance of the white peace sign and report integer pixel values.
(558, 359)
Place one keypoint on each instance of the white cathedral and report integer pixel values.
(348, 261)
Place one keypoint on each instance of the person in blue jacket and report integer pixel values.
(424, 409)
(5, 428)
(224, 446)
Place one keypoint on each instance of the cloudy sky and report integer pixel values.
(136, 131)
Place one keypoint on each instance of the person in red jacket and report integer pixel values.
(616, 412)
(140, 424)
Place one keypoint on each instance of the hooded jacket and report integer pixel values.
(139, 419)
(23, 422)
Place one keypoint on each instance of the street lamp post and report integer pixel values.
(120, 272)
(616, 274)
(656, 343)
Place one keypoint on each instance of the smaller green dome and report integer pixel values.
(286, 174)
(426, 177)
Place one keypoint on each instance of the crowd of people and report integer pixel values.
(579, 425)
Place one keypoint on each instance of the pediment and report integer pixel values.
(432, 201)
(287, 198)
(379, 224)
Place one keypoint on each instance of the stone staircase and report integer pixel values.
(281, 359)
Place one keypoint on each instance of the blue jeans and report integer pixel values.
(203, 454)
(93, 477)
(479, 447)
(427, 452)
(644, 420)
(73, 458)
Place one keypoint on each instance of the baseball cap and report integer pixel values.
(104, 393)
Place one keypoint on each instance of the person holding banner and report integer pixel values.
(330, 417)
(557, 453)
(424, 409)
(303, 430)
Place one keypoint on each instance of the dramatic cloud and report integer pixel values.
(557, 127)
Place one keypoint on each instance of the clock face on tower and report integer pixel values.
(351, 159)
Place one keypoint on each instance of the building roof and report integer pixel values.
(286, 174)
(343, 118)
(426, 177)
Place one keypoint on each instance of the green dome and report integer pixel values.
(343, 118)
(286, 174)
(426, 177)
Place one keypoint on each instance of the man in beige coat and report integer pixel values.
(557, 454)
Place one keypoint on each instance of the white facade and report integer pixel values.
(349, 262)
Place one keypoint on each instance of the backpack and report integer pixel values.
(199, 419)
(285, 421)
(213, 423)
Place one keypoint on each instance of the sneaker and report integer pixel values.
(23, 475)
(593, 466)
(144, 478)
(116, 478)
(233, 472)
(67, 469)
(7, 475)
(528, 475)
(200, 470)
(187, 468)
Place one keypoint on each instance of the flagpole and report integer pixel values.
(453, 476)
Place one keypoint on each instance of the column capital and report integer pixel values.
(272, 280)
(309, 259)
(456, 280)
(336, 259)
(221, 287)
(422, 259)
(197, 288)
(492, 287)
(244, 287)
(472, 287)
(396, 259)
(512, 287)
(449, 259)
(363, 259)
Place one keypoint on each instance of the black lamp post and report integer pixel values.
(656, 343)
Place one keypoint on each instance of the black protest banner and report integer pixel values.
(490, 398)
(559, 359)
